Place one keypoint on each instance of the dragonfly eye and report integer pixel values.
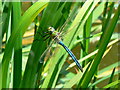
(51, 29)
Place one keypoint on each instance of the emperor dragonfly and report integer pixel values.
(55, 35)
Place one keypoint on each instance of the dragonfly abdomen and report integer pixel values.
(71, 55)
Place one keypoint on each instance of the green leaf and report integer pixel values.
(112, 84)
(17, 66)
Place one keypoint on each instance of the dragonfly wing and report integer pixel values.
(45, 52)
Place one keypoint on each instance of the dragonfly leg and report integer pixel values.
(45, 36)
(36, 40)
(40, 39)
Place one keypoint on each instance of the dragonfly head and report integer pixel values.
(51, 29)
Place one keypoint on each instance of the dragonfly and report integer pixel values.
(55, 35)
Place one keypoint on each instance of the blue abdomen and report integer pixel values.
(71, 55)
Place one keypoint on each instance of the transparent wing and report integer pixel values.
(46, 51)
(65, 24)
(64, 29)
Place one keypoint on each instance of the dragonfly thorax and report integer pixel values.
(53, 33)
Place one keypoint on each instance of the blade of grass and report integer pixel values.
(5, 18)
(112, 84)
(86, 33)
(109, 67)
(17, 67)
(96, 12)
(112, 76)
(105, 22)
(8, 34)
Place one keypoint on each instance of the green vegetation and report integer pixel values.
(80, 23)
